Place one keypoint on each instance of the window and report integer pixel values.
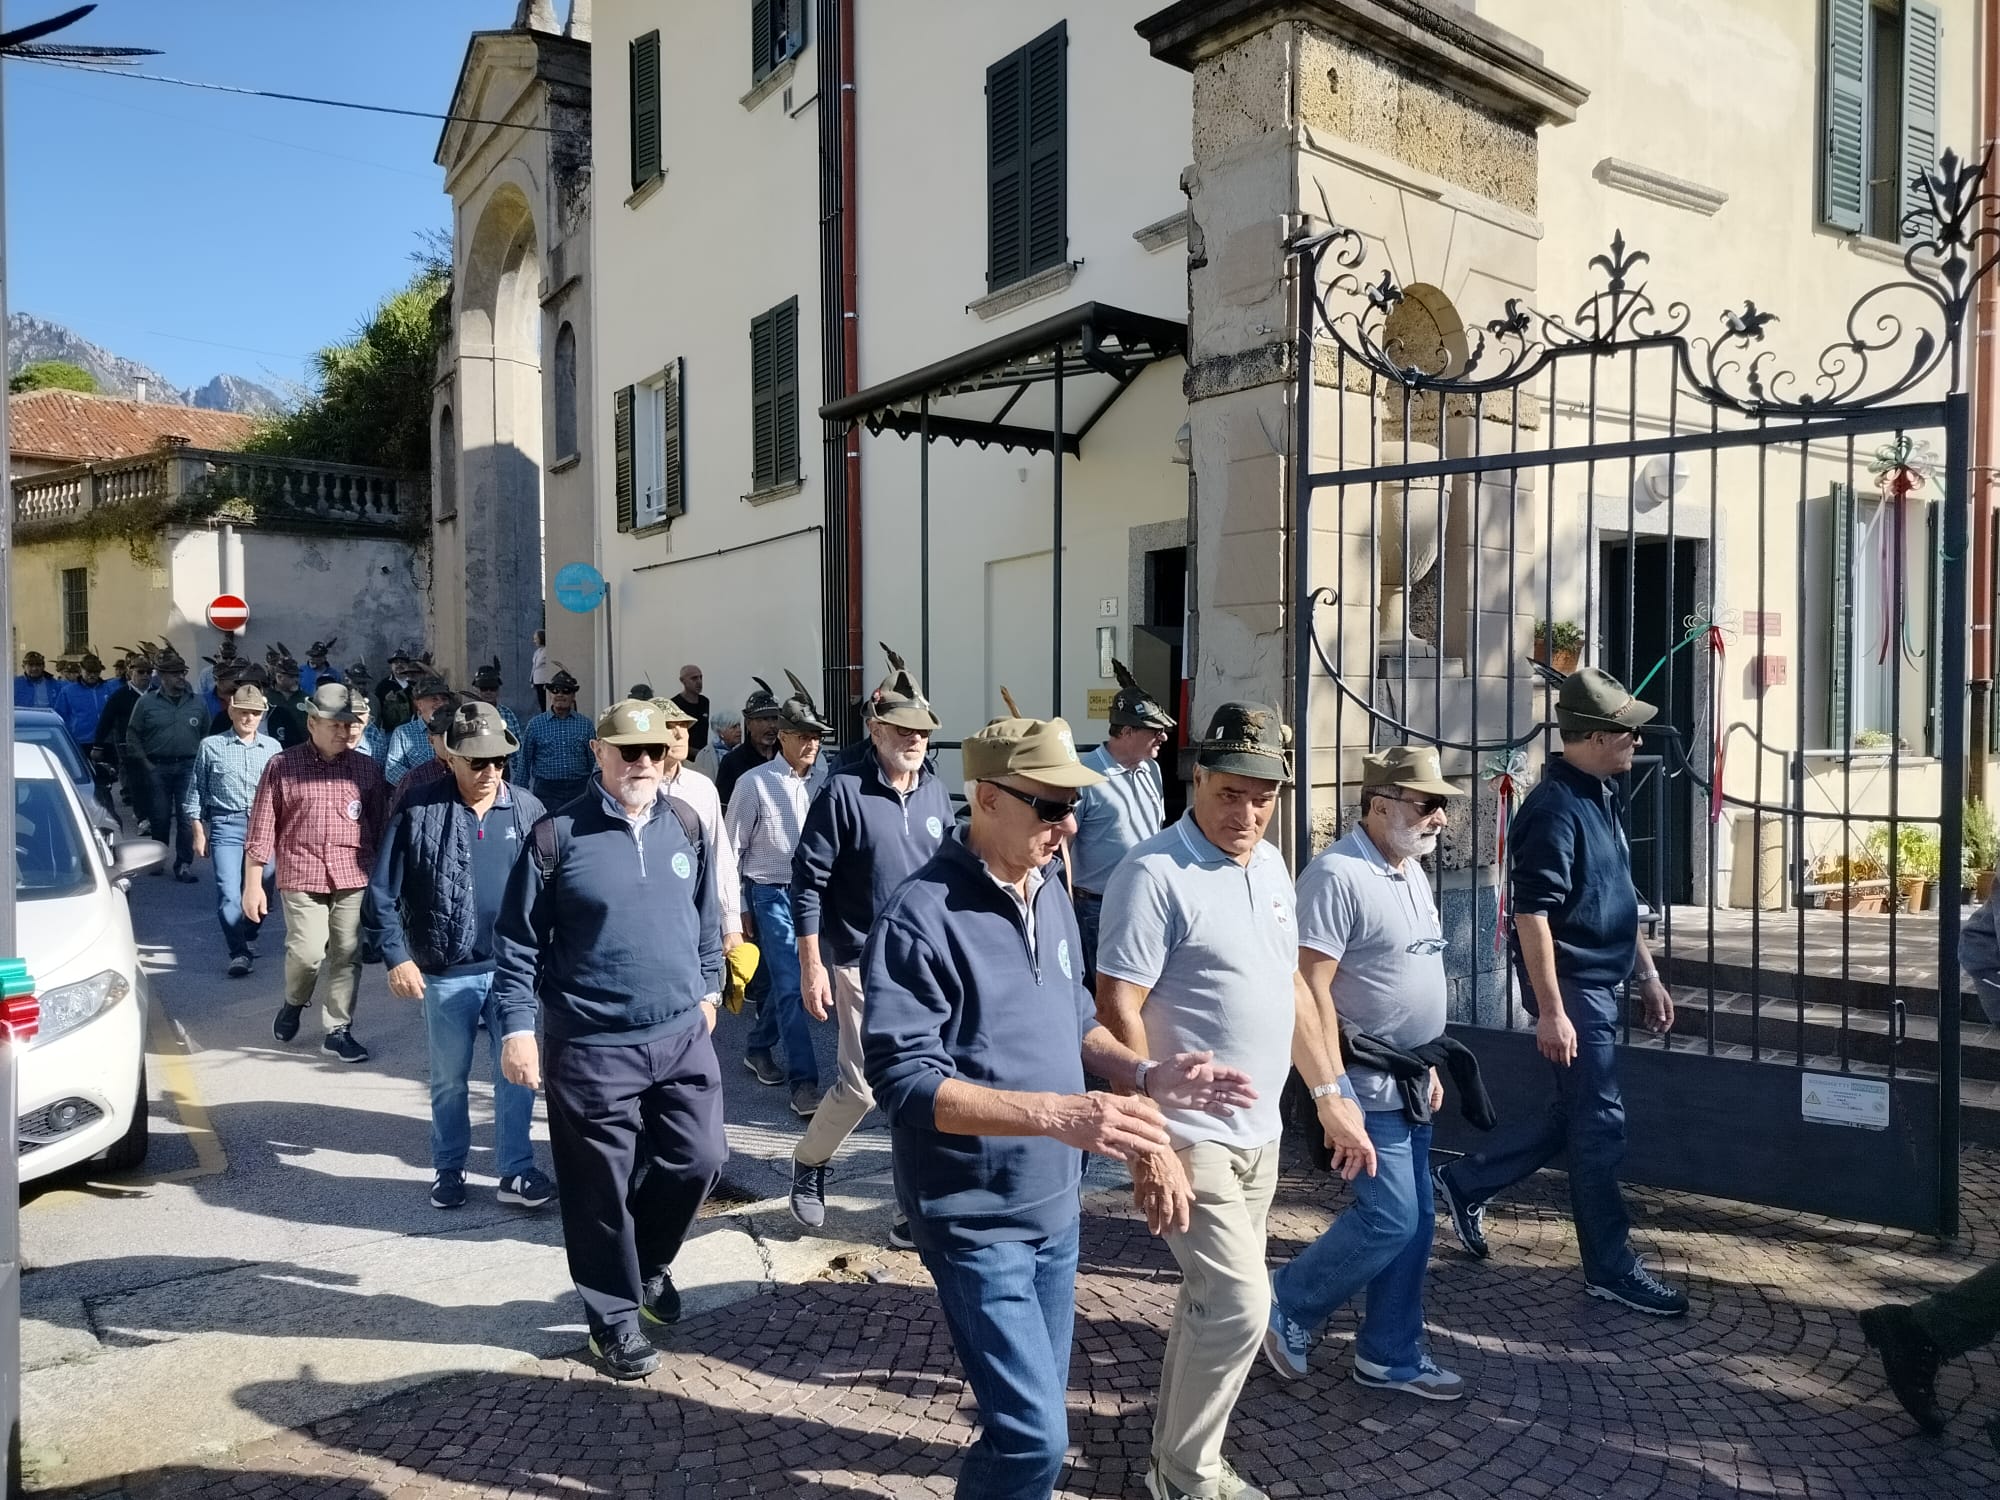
(565, 393)
(649, 433)
(1027, 160)
(76, 609)
(1867, 565)
(1879, 103)
(774, 397)
(777, 35)
(645, 71)
(446, 505)
(49, 858)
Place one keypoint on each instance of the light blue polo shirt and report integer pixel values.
(1116, 816)
(1216, 943)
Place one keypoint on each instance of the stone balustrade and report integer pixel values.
(277, 490)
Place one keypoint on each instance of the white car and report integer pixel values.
(80, 1082)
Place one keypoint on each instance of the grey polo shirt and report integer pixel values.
(1216, 944)
(1114, 817)
(1378, 922)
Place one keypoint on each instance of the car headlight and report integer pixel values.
(69, 1006)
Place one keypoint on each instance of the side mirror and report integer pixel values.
(131, 857)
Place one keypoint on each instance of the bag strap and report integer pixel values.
(546, 854)
(691, 826)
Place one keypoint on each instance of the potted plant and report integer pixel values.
(1856, 878)
(1560, 644)
(1874, 740)
(1918, 859)
(1982, 848)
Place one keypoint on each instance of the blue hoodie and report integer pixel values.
(862, 839)
(953, 992)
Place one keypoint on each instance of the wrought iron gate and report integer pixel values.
(1777, 560)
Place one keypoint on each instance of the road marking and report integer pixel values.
(169, 1044)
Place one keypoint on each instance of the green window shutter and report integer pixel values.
(760, 40)
(1844, 91)
(795, 27)
(763, 402)
(645, 70)
(1047, 150)
(621, 446)
(673, 472)
(1923, 43)
(785, 390)
(1840, 653)
(1006, 171)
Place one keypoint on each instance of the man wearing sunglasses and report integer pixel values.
(1371, 950)
(612, 932)
(450, 847)
(1199, 951)
(1125, 809)
(1577, 948)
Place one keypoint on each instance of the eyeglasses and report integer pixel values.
(485, 762)
(1427, 947)
(1424, 805)
(656, 753)
(1048, 809)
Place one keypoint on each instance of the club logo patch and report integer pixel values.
(935, 828)
(1062, 957)
(642, 720)
(683, 866)
(1278, 911)
(1068, 742)
(354, 810)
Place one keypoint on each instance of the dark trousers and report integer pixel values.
(166, 787)
(636, 1135)
(1089, 907)
(558, 794)
(1586, 1118)
(1964, 1315)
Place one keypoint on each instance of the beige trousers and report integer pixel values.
(1223, 1308)
(849, 1100)
(323, 931)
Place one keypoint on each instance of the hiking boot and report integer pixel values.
(1642, 1291)
(763, 1067)
(1423, 1378)
(809, 1194)
(625, 1356)
(1909, 1361)
(899, 1235)
(1468, 1220)
(529, 1189)
(286, 1026)
(448, 1188)
(660, 1300)
(805, 1099)
(239, 966)
(1286, 1344)
(340, 1043)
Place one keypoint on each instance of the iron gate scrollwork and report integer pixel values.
(1775, 557)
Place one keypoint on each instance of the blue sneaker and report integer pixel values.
(1286, 1344)
(1423, 1378)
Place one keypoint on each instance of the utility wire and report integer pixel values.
(224, 88)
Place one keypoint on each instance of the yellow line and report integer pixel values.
(178, 1085)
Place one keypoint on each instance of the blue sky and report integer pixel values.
(202, 233)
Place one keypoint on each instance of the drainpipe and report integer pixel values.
(850, 320)
(225, 570)
(1985, 414)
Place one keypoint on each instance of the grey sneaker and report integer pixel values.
(1423, 1378)
(1232, 1486)
(805, 1100)
(809, 1194)
(1286, 1344)
(239, 966)
(763, 1067)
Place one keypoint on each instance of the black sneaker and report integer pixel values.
(239, 966)
(185, 874)
(448, 1189)
(529, 1189)
(660, 1300)
(625, 1356)
(1468, 1220)
(1642, 1291)
(1909, 1361)
(340, 1043)
(805, 1100)
(899, 1235)
(809, 1194)
(286, 1026)
(763, 1067)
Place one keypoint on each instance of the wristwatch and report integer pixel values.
(1342, 1086)
(1139, 1076)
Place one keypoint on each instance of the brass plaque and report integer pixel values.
(1100, 702)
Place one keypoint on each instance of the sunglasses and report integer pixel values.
(651, 752)
(1426, 947)
(1048, 809)
(1424, 805)
(486, 762)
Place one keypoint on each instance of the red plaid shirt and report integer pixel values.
(323, 819)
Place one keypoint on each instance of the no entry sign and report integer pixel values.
(228, 612)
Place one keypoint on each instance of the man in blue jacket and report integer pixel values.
(435, 894)
(973, 972)
(611, 923)
(874, 825)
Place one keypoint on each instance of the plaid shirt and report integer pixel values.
(226, 771)
(322, 818)
(554, 749)
(409, 747)
(431, 770)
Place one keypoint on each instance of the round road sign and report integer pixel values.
(228, 612)
(579, 587)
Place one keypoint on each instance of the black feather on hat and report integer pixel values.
(1133, 705)
(763, 703)
(798, 712)
(898, 700)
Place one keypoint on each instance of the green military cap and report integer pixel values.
(1410, 768)
(671, 713)
(798, 713)
(1590, 699)
(563, 682)
(170, 660)
(487, 675)
(249, 695)
(1134, 705)
(430, 685)
(761, 704)
(477, 732)
(1043, 749)
(899, 700)
(632, 721)
(1247, 739)
(34, 659)
(337, 701)
(92, 662)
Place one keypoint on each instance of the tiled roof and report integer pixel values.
(71, 426)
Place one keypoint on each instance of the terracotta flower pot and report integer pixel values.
(1916, 894)
(1982, 887)
(1566, 657)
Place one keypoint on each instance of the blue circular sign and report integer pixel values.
(579, 588)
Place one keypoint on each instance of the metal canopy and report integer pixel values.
(1003, 391)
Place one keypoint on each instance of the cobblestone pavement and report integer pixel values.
(847, 1386)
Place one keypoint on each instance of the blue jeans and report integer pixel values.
(1586, 1118)
(1011, 1308)
(781, 1013)
(226, 832)
(453, 1010)
(1381, 1242)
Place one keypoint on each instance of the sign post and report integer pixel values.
(228, 613)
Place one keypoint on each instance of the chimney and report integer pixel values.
(139, 390)
(535, 15)
(578, 28)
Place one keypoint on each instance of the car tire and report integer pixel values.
(128, 1152)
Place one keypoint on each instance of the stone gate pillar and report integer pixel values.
(1413, 122)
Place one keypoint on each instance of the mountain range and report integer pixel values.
(30, 339)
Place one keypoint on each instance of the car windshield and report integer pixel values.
(51, 853)
(55, 739)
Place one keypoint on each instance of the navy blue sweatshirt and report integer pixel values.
(862, 839)
(1571, 863)
(622, 943)
(953, 992)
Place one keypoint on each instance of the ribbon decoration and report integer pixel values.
(1715, 632)
(1501, 770)
(1900, 469)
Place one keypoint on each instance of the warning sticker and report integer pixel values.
(1838, 1099)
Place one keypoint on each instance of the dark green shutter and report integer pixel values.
(1006, 172)
(1027, 159)
(1923, 41)
(785, 390)
(1840, 654)
(760, 40)
(673, 482)
(795, 28)
(1844, 170)
(1047, 151)
(763, 402)
(621, 448)
(645, 109)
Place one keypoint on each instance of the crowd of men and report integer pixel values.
(1057, 970)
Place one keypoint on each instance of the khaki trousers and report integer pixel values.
(847, 1103)
(1223, 1308)
(323, 931)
